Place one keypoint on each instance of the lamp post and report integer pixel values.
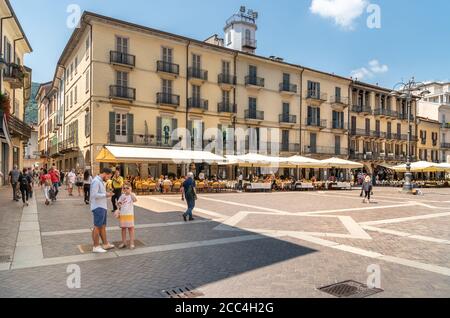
(406, 91)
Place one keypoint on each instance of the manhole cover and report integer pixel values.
(5, 258)
(87, 248)
(181, 292)
(350, 289)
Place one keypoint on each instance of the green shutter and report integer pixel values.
(174, 130)
(130, 128)
(112, 127)
(159, 130)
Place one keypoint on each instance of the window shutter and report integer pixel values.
(190, 136)
(112, 127)
(130, 127)
(174, 130)
(318, 115)
(219, 138)
(158, 130)
(309, 115)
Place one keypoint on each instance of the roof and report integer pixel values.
(432, 121)
(18, 24)
(90, 15)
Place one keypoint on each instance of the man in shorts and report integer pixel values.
(98, 201)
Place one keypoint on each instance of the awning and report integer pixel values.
(113, 154)
(304, 162)
(341, 163)
(423, 166)
(257, 160)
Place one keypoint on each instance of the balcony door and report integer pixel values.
(252, 72)
(196, 94)
(167, 55)
(226, 69)
(337, 145)
(252, 107)
(121, 128)
(313, 116)
(122, 44)
(167, 86)
(122, 83)
(196, 64)
(313, 143)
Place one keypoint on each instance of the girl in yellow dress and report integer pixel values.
(126, 215)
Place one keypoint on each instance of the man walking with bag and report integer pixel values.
(189, 194)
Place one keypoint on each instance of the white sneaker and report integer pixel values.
(98, 249)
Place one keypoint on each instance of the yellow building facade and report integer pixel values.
(429, 142)
(15, 86)
(119, 83)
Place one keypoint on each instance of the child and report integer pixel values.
(126, 215)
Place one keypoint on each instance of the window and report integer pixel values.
(87, 124)
(167, 55)
(313, 116)
(121, 127)
(122, 44)
(252, 105)
(226, 98)
(338, 120)
(196, 92)
(337, 145)
(226, 68)
(76, 65)
(88, 81)
(337, 92)
(196, 62)
(313, 89)
(229, 38)
(88, 47)
(252, 71)
(76, 94)
(71, 71)
(167, 87)
(285, 140)
(122, 79)
(367, 126)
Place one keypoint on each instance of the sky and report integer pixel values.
(381, 41)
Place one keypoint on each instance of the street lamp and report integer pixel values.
(406, 91)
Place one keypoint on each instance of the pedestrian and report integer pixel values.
(13, 180)
(25, 185)
(126, 215)
(31, 175)
(46, 184)
(367, 188)
(117, 185)
(99, 207)
(241, 182)
(189, 194)
(71, 179)
(62, 177)
(87, 180)
(79, 182)
(54, 173)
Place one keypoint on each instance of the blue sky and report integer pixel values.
(330, 35)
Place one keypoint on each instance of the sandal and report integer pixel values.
(122, 246)
(108, 247)
(132, 247)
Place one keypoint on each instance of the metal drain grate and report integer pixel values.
(181, 292)
(5, 258)
(350, 289)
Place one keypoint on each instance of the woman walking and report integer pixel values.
(367, 187)
(25, 183)
(46, 183)
(87, 180)
(79, 183)
(189, 194)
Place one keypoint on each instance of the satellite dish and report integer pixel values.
(242, 9)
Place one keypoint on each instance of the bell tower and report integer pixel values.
(240, 31)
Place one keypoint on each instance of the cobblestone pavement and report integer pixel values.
(241, 245)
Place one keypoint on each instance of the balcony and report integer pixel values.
(445, 125)
(19, 128)
(68, 145)
(122, 59)
(291, 148)
(227, 108)
(254, 115)
(254, 82)
(338, 103)
(145, 140)
(168, 70)
(15, 75)
(249, 44)
(288, 89)
(316, 98)
(382, 113)
(330, 151)
(197, 104)
(318, 124)
(227, 81)
(362, 110)
(53, 151)
(122, 93)
(197, 75)
(445, 145)
(405, 117)
(340, 126)
(287, 119)
(164, 99)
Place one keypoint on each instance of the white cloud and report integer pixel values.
(374, 68)
(344, 12)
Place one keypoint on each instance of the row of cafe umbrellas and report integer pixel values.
(257, 160)
(423, 166)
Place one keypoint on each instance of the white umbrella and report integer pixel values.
(340, 163)
(304, 162)
(420, 166)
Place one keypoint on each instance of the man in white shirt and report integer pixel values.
(71, 178)
(99, 207)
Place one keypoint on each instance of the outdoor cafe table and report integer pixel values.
(260, 187)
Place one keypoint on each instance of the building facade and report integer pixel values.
(429, 143)
(15, 89)
(436, 106)
(118, 83)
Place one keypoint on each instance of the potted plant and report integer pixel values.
(5, 105)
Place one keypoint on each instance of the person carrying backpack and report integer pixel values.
(25, 184)
(190, 195)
